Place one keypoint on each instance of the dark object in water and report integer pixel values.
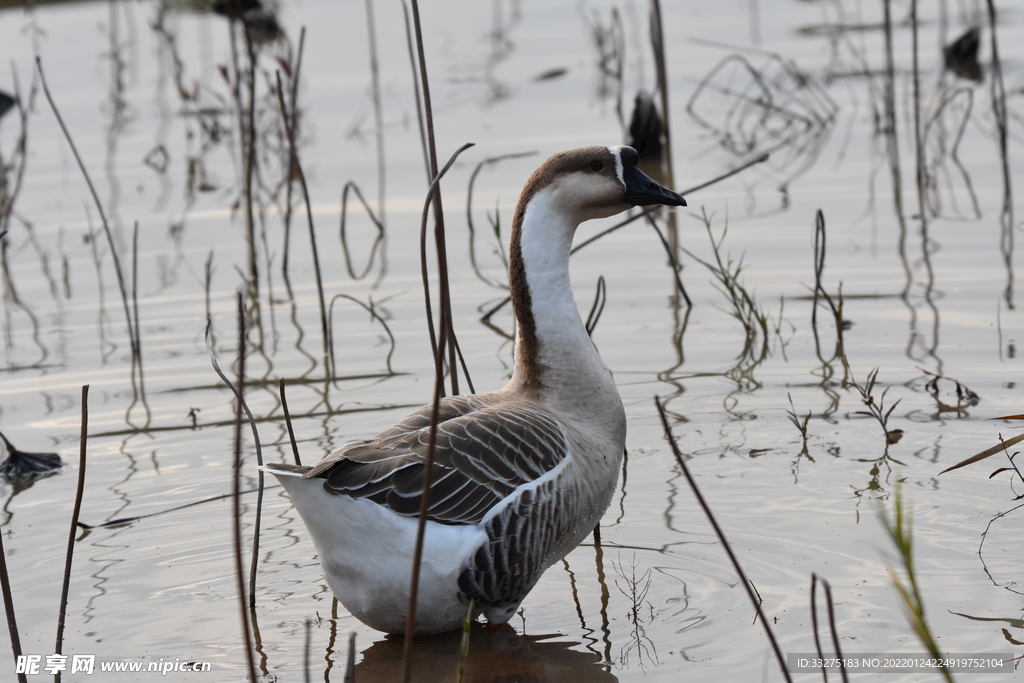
(645, 127)
(20, 467)
(235, 9)
(260, 23)
(6, 102)
(551, 74)
(961, 56)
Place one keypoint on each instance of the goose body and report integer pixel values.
(522, 474)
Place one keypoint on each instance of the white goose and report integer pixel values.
(522, 474)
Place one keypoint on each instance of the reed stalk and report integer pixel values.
(99, 207)
(289, 122)
(288, 423)
(79, 492)
(12, 621)
(722, 539)
(236, 481)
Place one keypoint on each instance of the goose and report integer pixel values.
(522, 474)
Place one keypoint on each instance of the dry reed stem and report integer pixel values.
(289, 122)
(832, 625)
(834, 631)
(238, 392)
(83, 438)
(99, 207)
(293, 99)
(12, 621)
(428, 470)
(814, 625)
(288, 423)
(445, 312)
(435, 346)
(305, 650)
(721, 537)
(236, 479)
(373, 313)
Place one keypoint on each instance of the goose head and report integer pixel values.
(596, 182)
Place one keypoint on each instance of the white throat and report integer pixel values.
(565, 357)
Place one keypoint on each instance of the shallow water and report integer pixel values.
(163, 587)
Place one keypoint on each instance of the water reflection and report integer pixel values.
(499, 654)
(773, 107)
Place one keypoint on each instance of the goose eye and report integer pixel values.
(596, 165)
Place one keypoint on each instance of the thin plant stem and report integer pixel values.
(416, 90)
(288, 423)
(721, 537)
(12, 621)
(238, 391)
(428, 469)
(236, 480)
(79, 492)
(445, 313)
(305, 650)
(373, 313)
(126, 520)
(289, 122)
(434, 344)
(834, 631)
(99, 207)
(814, 626)
(293, 99)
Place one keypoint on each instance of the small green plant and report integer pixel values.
(744, 308)
(799, 422)
(899, 528)
(876, 407)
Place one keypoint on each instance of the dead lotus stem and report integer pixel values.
(83, 438)
(721, 537)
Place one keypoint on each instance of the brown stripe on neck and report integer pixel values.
(527, 344)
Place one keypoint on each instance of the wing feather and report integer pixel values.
(486, 448)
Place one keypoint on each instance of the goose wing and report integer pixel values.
(485, 450)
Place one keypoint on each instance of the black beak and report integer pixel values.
(642, 190)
